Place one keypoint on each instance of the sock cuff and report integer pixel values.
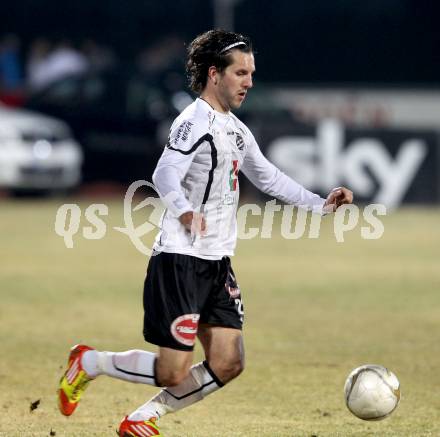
(213, 375)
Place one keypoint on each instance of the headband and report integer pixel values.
(230, 46)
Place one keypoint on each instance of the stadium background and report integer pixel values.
(346, 93)
(296, 41)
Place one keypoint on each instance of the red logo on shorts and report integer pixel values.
(184, 329)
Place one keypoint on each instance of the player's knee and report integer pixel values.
(237, 368)
(172, 367)
(228, 370)
(171, 378)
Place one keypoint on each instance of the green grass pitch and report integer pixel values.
(315, 309)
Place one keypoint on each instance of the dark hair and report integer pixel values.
(208, 50)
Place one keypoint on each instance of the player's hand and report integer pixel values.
(337, 197)
(194, 223)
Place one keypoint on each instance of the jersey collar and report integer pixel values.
(208, 107)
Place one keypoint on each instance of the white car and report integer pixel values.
(37, 153)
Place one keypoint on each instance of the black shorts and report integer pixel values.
(182, 291)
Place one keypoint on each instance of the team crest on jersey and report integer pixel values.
(184, 329)
(240, 142)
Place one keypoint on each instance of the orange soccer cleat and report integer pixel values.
(74, 381)
(139, 428)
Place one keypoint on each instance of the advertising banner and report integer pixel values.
(381, 165)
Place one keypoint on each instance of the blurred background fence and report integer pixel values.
(345, 92)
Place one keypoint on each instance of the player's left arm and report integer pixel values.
(271, 180)
(337, 197)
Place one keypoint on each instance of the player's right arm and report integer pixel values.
(194, 222)
(171, 169)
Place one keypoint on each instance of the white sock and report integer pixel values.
(134, 366)
(200, 382)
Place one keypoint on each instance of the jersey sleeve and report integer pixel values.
(174, 164)
(269, 179)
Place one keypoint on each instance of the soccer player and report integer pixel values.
(190, 288)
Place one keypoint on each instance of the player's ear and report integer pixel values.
(213, 74)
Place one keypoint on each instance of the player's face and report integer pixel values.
(236, 80)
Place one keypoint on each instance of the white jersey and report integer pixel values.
(198, 171)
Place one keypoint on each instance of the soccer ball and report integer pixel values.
(372, 392)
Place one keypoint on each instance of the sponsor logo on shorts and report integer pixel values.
(184, 329)
(234, 292)
(231, 286)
